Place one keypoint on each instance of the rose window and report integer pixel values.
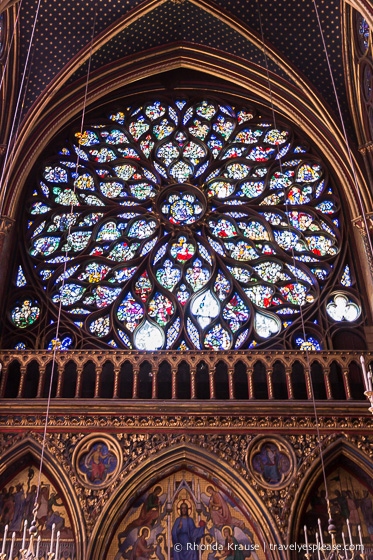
(187, 225)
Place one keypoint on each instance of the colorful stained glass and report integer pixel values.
(220, 189)
(138, 128)
(108, 232)
(45, 246)
(184, 211)
(181, 171)
(100, 327)
(199, 130)
(163, 129)
(193, 334)
(254, 230)
(223, 126)
(173, 332)
(143, 286)
(252, 189)
(168, 276)
(223, 228)
(217, 338)
(21, 279)
(297, 294)
(25, 314)
(236, 313)
(65, 343)
(161, 309)
(141, 229)
(311, 344)
(183, 294)
(182, 251)
(260, 295)
(112, 189)
(77, 241)
(155, 111)
(130, 312)
(196, 275)
(346, 277)
(206, 110)
(222, 286)
(69, 293)
(123, 252)
(237, 170)
(271, 272)
(241, 251)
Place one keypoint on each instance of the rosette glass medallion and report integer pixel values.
(183, 225)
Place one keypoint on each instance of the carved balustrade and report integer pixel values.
(173, 375)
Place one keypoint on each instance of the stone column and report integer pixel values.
(6, 225)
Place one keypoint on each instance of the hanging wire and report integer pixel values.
(14, 30)
(350, 158)
(56, 342)
(308, 361)
(9, 154)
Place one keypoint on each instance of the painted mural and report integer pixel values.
(351, 498)
(17, 501)
(97, 461)
(186, 517)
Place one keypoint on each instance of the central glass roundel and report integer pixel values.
(183, 205)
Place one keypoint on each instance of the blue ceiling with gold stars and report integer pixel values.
(64, 27)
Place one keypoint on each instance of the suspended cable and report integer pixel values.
(10, 145)
(351, 161)
(306, 350)
(55, 342)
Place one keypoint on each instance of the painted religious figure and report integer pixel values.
(185, 535)
(180, 514)
(271, 463)
(351, 502)
(97, 463)
(17, 501)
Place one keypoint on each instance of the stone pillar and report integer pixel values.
(289, 383)
(6, 225)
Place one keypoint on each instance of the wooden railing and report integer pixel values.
(238, 375)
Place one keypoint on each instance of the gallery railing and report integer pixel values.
(238, 375)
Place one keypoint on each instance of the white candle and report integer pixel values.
(52, 537)
(349, 531)
(318, 546)
(4, 539)
(57, 545)
(305, 536)
(369, 378)
(365, 375)
(344, 543)
(360, 538)
(24, 535)
(12, 546)
(37, 548)
(321, 536)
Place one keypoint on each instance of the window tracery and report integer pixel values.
(188, 224)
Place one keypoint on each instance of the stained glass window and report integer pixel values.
(184, 224)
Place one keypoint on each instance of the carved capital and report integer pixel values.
(359, 223)
(6, 225)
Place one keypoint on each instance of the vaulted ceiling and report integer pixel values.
(248, 29)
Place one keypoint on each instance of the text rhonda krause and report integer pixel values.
(217, 546)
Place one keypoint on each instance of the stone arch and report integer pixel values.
(340, 451)
(196, 461)
(25, 452)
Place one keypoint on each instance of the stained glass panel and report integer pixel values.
(179, 227)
